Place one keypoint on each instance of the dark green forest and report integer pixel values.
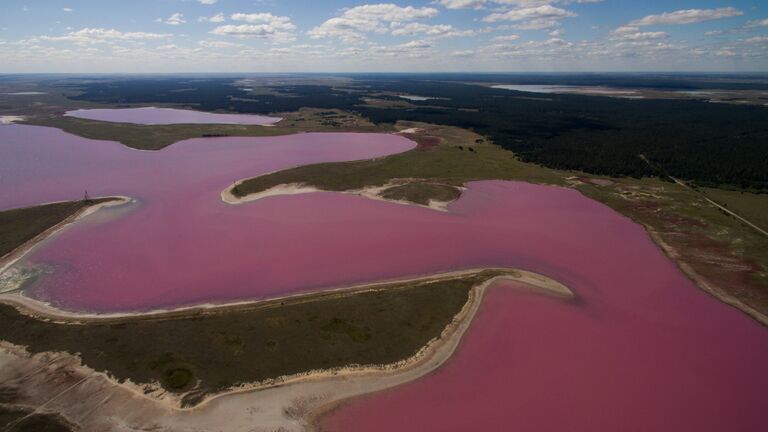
(707, 143)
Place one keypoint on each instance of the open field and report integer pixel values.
(751, 206)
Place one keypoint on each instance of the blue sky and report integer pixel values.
(359, 36)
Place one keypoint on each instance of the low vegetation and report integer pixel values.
(199, 352)
(449, 163)
(15, 419)
(753, 207)
(716, 246)
(18, 226)
(423, 193)
(712, 144)
(156, 137)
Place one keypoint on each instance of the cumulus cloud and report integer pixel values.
(462, 53)
(218, 44)
(437, 30)
(545, 12)
(101, 35)
(175, 19)
(540, 49)
(537, 24)
(353, 23)
(277, 21)
(687, 16)
(634, 33)
(207, 2)
(218, 18)
(260, 26)
(757, 23)
(557, 33)
(66, 9)
(416, 48)
(481, 4)
(757, 39)
(461, 4)
(506, 38)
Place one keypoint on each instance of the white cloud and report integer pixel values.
(353, 23)
(277, 21)
(687, 16)
(461, 4)
(66, 9)
(246, 30)
(506, 38)
(437, 30)
(462, 53)
(537, 24)
(634, 33)
(416, 48)
(545, 12)
(481, 4)
(557, 33)
(757, 39)
(757, 23)
(175, 19)
(100, 35)
(274, 28)
(218, 18)
(207, 2)
(89, 36)
(218, 44)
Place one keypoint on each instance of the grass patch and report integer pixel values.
(422, 192)
(449, 163)
(19, 226)
(342, 326)
(751, 206)
(727, 253)
(156, 137)
(211, 350)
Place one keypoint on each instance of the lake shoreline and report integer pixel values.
(278, 396)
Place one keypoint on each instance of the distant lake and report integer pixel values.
(566, 89)
(415, 98)
(161, 116)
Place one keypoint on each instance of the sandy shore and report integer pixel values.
(60, 383)
(57, 382)
(14, 256)
(36, 308)
(9, 119)
(702, 282)
(370, 192)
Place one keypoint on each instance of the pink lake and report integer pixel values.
(640, 349)
(164, 116)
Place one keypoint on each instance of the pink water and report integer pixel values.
(640, 349)
(160, 116)
(626, 357)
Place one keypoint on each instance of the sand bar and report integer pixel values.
(289, 402)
